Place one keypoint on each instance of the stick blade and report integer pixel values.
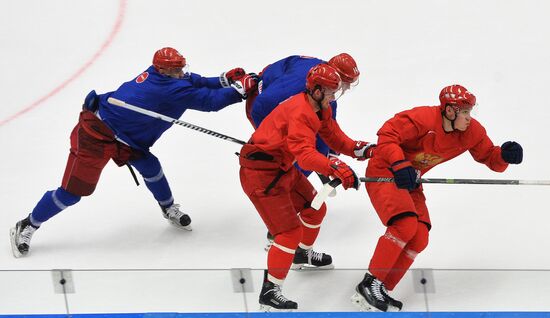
(324, 193)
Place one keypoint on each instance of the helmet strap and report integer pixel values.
(444, 113)
(318, 101)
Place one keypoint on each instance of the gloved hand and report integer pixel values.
(363, 150)
(511, 152)
(404, 175)
(343, 172)
(91, 102)
(246, 85)
(231, 76)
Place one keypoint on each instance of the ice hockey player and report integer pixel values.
(409, 145)
(106, 132)
(281, 194)
(286, 77)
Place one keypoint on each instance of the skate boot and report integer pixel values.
(368, 296)
(270, 239)
(309, 259)
(176, 217)
(20, 237)
(271, 298)
(392, 302)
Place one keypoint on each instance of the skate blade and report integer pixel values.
(363, 305)
(14, 248)
(187, 227)
(393, 309)
(307, 267)
(267, 308)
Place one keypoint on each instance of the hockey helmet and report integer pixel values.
(457, 96)
(323, 76)
(346, 67)
(168, 57)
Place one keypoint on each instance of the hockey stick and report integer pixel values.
(466, 181)
(327, 188)
(324, 193)
(118, 102)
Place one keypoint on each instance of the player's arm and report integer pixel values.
(301, 142)
(495, 157)
(206, 99)
(395, 132)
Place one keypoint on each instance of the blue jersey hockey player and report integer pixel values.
(287, 77)
(105, 132)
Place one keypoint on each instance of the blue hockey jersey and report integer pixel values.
(280, 80)
(162, 94)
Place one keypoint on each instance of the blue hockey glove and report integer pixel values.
(405, 176)
(91, 102)
(511, 152)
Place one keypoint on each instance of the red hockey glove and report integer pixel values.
(229, 77)
(246, 85)
(343, 172)
(363, 150)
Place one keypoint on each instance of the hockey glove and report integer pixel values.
(231, 76)
(363, 150)
(343, 172)
(91, 102)
(246, 85)
(511, 152)
(404, 175)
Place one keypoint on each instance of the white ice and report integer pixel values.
(406, 51)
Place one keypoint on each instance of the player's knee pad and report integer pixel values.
(403, 229)
(64, 198)
(289, 239)
(313, 218)
(420, 240)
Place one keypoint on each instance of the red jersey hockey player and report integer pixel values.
(409, 145)
(281, 194)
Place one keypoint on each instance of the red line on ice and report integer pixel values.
(80, 71)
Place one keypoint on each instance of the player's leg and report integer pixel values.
(306, 257)
(396, 210)
(151, 170)
(277, 212)
(87, 158)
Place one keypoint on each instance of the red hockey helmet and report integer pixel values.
(168, 57)
(346, 67)
(457, 96)
(323, 75)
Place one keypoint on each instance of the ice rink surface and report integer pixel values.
(54, 52)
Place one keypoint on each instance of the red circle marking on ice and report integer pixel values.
(80, 71)
(141, 78)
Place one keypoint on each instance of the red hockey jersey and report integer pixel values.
(288, 134)
(417, 135)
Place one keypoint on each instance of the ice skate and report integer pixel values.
(368, 296)
(394, 304)
(272, 299)
(176, 217)
(20, 237)
(309, 259)
(270, 239)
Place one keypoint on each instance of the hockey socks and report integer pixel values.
(52, 202)
(150, 169)
(311, 224)
(281, 254)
